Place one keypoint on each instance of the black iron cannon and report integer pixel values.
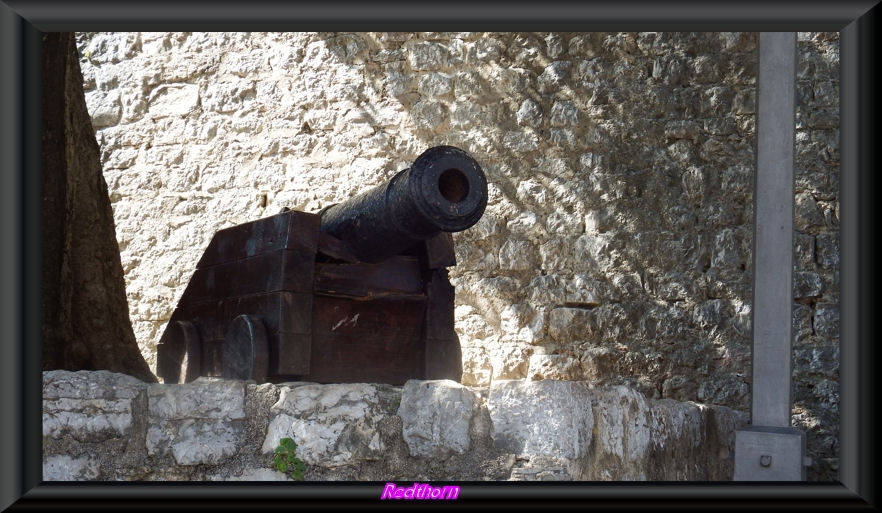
(355, 293)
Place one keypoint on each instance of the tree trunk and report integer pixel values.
(86, 323)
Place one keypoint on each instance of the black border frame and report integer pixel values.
(20, 445)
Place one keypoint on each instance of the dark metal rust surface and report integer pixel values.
(356, 293)
(445, 190)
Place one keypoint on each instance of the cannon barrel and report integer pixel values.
(444, 190)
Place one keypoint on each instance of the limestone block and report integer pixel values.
(804, 252)
(173, 100)
(509, 360)
(827, 252)
(554, 76)
(717, 100)
(587, 45)
(729, 388)
(529, 113)
(397, 83)
(517, 255)
(435, 417)
(429, 114)
(564, 113)
(253, 474)
(198, 423)
(471, 323)
(556, 255)
(710, 313)
(546, 290)
(427, 56)
(228, 97)
(564, 223)
(474, 258)
(113, 47)
(66, 468)
(104, 107)
(332, 424)
(563, 137)
(435, 84)
(542, 418)
(598, 221)
(807, 285)
(487, 49)
(89, 406)
(826, 321)
(820, 360)
(542, 468)
(386, 55)
(527, 225)
(679, 435)
(520, 141)
(477, 368)
(555, 366)
(521, 322)
(622, 433)
(596, 251)
(560, 168)
(572, 324)
(807, 214)
(554, 45)
(584, 291)
(466, 115)
(511, 82)
(727, 249)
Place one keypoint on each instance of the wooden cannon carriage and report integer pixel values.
(355, 293)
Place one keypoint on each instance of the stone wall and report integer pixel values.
(616, 245)
(102, 426)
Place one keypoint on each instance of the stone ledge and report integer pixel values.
(102, 426)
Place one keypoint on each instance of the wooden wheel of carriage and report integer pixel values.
(245, 350)
(179, 354)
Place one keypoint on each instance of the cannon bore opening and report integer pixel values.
(453, 185)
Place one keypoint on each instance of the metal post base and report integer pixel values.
(770, 454)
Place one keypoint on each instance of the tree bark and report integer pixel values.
(86, 324)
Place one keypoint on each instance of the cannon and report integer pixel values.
(357, 292)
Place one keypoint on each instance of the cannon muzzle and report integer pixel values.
(444, 190)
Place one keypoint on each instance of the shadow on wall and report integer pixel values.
(616, 245)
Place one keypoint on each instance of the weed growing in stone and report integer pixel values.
(286, 461)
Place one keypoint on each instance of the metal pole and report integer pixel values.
(770, 449)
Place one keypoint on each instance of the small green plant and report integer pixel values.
(285, 460)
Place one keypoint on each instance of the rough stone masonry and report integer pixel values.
(616, 245)
(103, 426)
